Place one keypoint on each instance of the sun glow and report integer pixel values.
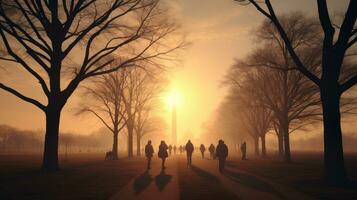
(173, 98)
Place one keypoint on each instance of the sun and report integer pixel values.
(173, 98)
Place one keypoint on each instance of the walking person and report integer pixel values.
(170, 149)
(212, 150)
(175, 149)
(163, 153)
(243, 149)
(221, 153)
(181, 149)
(189, 150)
(149, 151)
(202, 149)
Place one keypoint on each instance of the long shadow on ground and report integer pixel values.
(142, 182)
(204, 174)
(162, 180)
(196, 183)
(251, 181)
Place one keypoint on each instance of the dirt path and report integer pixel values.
(152, 184)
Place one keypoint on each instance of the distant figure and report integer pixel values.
(243, 148)
(202, 149)
(221, 153)
(109, 155)
(211, 150)
(163, 153)
(170, 149)
(149, 151)
(189, 150)
(175, 149)
(181, 149)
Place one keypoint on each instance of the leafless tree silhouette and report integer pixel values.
(254, 117)
(293, 100)
(62, 43)
(139, 96)
(334, 47)
(105, 102)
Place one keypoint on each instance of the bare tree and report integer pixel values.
(66, 140)
(62, 43)
(287, 93)
(145, 98)
(334, 49)
(254, 117)
(106, 103)
(5, 135)
(123, 98)
(141, 88)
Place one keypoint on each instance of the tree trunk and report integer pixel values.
(256, 146)
(50, 155)
(138, 144)
(115, 145)
(287, 156)
(285, 133)
(281, 145)
(130, 142)
(264, 152)
(284, 121)
(333, 147)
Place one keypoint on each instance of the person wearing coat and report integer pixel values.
(221, 153)
(212, 150)
(202, 149)
(149, 151)
(189, 150)
(163, 153)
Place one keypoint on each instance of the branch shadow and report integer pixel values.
(162, 180)
(142, 182)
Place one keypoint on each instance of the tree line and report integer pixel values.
(14, 140)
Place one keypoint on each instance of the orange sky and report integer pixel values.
(219, 31)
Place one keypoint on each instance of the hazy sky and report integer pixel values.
(219, 31)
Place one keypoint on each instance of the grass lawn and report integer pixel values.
(83, 176)
(305, 174)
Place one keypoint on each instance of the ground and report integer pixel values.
(85, 176)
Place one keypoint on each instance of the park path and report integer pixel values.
(158, 185)
(153, 184)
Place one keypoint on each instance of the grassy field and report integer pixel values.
(305, 174)
(88, 176)
(83, 176)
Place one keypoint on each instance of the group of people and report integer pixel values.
(220, 152)
(174, 149)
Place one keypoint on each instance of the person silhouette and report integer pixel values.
(211, 150)
(175, 149)
(221, 153)
(202, 149)
(170, 149)
(189, 150)
(163, 153)
(181, 149)
(243, 149)
(149, 151)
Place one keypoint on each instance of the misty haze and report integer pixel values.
(178, 99)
